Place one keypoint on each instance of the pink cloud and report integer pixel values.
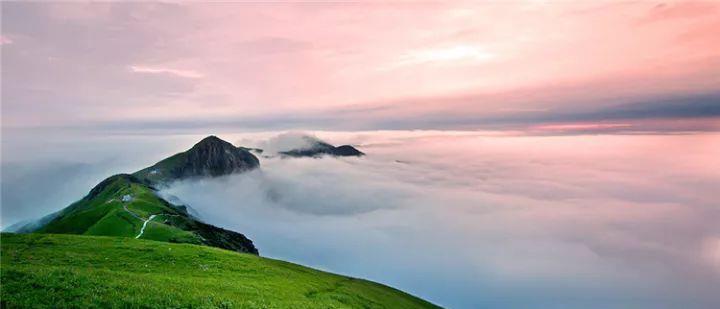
(581, 126)
(161, 70)
(681, 10)
(5, 40)
(239, 59)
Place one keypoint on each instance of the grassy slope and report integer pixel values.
(46, 270)
(161, 170)
(104, 214)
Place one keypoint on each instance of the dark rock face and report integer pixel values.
(215, 157)
(347, 150)
(218, 237)
(210, 157)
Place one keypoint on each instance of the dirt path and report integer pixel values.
(144, 225)
(145, 222)
(132, 213)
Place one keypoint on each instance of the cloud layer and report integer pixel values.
(470, 220)
(466, 219)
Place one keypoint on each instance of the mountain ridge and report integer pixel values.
(124, 245)
(128, 205)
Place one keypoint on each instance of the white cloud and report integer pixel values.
(486, 215)
(286, 141)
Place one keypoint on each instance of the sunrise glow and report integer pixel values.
(360, 154)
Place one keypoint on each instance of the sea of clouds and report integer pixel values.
(463, 219)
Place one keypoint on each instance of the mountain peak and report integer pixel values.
(211, 156)
(211, 139)
(213, 142)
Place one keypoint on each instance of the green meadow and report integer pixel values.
(77, 271)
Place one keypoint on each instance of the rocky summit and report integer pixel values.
(211, 157)
(215, 157)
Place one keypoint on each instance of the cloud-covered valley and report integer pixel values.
(477, 219)
(469, 220)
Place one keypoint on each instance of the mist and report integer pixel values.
(468, 220)
(293, 140)
(463, 219)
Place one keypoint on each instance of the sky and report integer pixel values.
(528, 65)
(522, 154)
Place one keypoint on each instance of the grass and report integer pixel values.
(62, 271)
(162, 170)
(163, 232)
(105, 211)
(104, 214)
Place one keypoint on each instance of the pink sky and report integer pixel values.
(360, 65)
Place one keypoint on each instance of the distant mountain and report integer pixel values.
(29, 226)
(210, 157)
(347, 151)
(319, 148)
(128, 205)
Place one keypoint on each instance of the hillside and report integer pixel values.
(128, 205)
(46, 270)
(123, 205)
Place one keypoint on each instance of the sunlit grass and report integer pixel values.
(46, 270)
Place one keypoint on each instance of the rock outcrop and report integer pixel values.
(210, 157)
